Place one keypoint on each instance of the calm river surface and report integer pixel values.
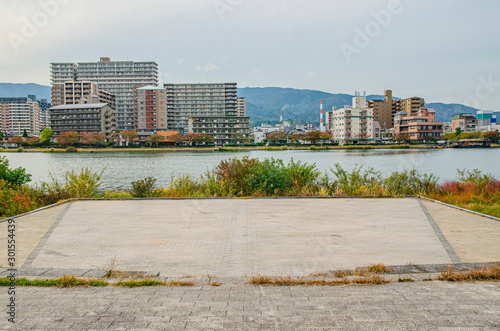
(124, 167)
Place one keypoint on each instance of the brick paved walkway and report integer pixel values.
(398, 306)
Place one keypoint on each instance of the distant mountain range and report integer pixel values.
(23, 90)
(265, 104)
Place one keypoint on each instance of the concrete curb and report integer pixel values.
(37, 210)
(461, 209)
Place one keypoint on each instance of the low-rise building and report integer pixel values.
(486, 121)
(88, 118)
(420, 127)
(351, 124)
(466, 122)
(260, 132)
(224, 129)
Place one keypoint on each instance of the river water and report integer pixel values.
(121, 168)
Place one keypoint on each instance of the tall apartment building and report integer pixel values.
(44, 113)
(206, 108)
(88, 118)
(351, 123)
(420, 126)
(118, 78)
(242, 106)
(19, 114)
(44, 106)
(466, 122)
(60, 73)
(150, 104)
(384, 110)
(187, 100)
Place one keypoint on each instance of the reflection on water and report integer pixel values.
(124, 167)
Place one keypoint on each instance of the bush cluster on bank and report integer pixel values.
(248, 177)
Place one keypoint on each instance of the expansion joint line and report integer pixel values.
(449, 250)
(41, 243)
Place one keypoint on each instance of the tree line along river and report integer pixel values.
(121, 168)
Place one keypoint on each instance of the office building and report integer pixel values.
(466, 122)
(118, 78)
(421, 127)
(351, 124)
(88, 118)
(19, 114)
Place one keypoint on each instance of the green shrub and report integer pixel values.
(16, 177)
(474, 176)
(144, 188)
(268, 177)
(409, 183)
(356, 183)
(302, 175)
(117, 195)
(71, 149)
(84, 184)
(232, 174)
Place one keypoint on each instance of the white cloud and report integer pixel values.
(209, 67)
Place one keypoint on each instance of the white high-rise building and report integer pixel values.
(351, 123)
(118, 78)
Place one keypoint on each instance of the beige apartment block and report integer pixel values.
(80, 92)
(19, 114)
(242, 106)
(420, 127)
(384, 110)
(466, 122)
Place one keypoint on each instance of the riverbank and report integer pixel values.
(223, 149)
(215, 149)
(251, 177)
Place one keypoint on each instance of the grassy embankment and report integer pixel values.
(247, 177)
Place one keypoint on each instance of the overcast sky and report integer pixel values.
(444, 51)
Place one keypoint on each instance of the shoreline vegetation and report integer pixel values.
(249, 177)
(220, 149)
